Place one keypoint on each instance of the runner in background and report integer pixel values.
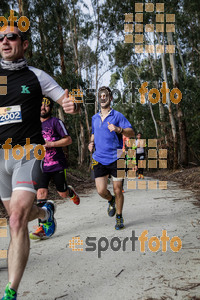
(108, 126)
(128, 144)
(140, 154)
(54, 166)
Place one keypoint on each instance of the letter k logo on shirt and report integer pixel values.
(25, 89)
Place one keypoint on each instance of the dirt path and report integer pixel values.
(54, 271)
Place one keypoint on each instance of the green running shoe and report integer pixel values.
(111, 208)
(49, 226)
(9, 294)
(119, 223)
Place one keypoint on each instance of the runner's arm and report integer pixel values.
(65, 141)
(128, 132)
(91, 143)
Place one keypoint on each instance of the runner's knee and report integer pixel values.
(102, 192)
(117, 190)
(18, 220)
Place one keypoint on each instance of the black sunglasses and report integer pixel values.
(9, 36)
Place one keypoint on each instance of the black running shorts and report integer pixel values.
(59, 178)
(104, 170)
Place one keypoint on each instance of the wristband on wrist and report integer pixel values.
(121, 129)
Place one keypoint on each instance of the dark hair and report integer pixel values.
(139, 133)
(22, 34)
(102, 88)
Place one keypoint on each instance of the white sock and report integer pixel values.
(47, 214)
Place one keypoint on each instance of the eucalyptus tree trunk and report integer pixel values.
(62, 60)
(181, 120)
(81, 136)
(161, 109)
(150, 105)
(97, 58)
(171, 116)
(24, 11)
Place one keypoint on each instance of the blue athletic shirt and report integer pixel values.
(106, 142)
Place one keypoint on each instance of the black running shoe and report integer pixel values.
(111, 208)
(119, 223)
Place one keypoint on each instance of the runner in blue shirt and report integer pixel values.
(107, 128)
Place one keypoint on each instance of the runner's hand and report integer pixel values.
(114, 128)
(68, 103)
(48, 144)
(91, 146)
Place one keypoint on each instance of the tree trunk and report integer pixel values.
(20, 4)
(83, 145)
(24, 11)
(161, 109)
(62, 60)
(61, 48)
(171, 117)
(150, 105)
(61, 115)
(78, 141)
(181, 121)
(97, 58)
(161, 106)
(74, 36)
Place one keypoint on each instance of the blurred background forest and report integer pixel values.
(77, 42)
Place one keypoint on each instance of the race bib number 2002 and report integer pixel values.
(10, 114)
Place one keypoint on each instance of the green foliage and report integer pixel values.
(54, 22)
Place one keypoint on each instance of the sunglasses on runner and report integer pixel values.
(9, 36)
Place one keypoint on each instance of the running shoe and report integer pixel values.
(50, 225)
(123, 191)
(111, 208)
(49, 228)
(75, 198)
(139, 176)
(39, 234)
(142, 176)
(119, 223)
(9, 294)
